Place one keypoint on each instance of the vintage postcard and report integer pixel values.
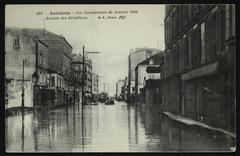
(120, 78)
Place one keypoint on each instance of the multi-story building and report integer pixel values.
(88, 77)
(135, 57)
(125, 89)
(59, 61)
(76, 77)
(141, 74)
(95, 85)
(119, 88)
(200, 60)
(21, 45)
(149, 70)
(54, 86)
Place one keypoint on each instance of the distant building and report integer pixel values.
(146, 93)
(125, 89)
(76, 77)
(19, 45)
(119, 88)
(77, 67)
(95, 84)
(88, 78)
(141, 74)
(200, 63)
(134, 58)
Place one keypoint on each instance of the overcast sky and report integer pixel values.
(112, 37)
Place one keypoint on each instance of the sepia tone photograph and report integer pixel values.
(120, 78)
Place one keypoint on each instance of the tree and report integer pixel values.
(76, 78)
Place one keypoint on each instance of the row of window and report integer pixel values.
(41, 57)
(230, 21)
(180, 16)
(42, 60)
(57, 82)
(203, 43)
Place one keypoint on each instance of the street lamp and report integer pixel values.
(35, 77)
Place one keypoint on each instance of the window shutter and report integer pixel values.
(233, 20)
(189, 50)
(208, 31)
(218, 33)
(199, 45)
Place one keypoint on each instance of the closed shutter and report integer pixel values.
(198, 46)
(218, 27)
(207, 37)
(189, 50)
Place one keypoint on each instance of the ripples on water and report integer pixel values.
(108, 128)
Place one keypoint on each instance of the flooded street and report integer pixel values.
(108, 128)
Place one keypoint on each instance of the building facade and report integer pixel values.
(141, 74)
(147, 82)
(125, 89)
(95, 86)
(88, 78)
(59, 61)
(76, 77)
(199, 68)
(119, 88)
(53, 65)
(135, 57)
(21, 45)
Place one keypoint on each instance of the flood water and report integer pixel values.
(108, 128)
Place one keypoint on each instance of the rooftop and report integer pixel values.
(42, 34)
(156, 59)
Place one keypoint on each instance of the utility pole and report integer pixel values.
(83, 84)
(83, 87)
(35, 74)
(83, 72)
(83, 75)
(22, 136)
(74, 91)
(23, 85)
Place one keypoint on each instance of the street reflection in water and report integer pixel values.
(108, 128)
